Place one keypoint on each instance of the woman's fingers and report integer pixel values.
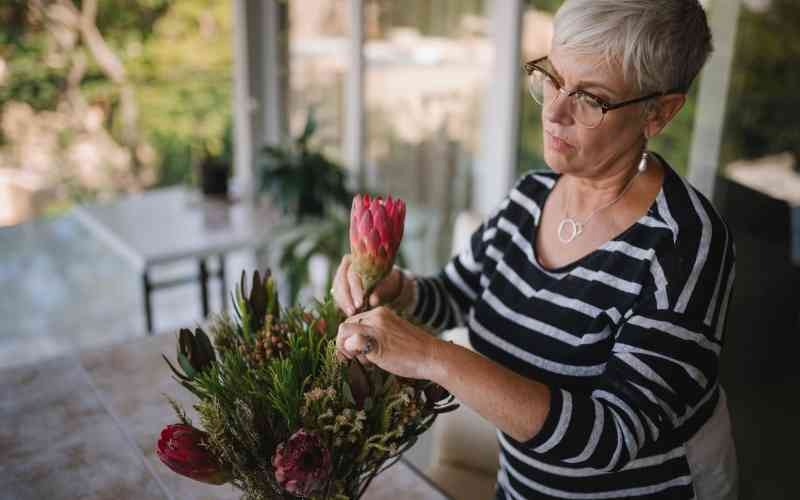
(346, 331)
(355, 339)
(341, 287)
(356, 290)
(387, 290)
(358, 343)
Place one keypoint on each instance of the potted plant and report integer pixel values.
(312, 191)
(215, 166)
(304, 182)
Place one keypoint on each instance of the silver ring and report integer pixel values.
(369, 347)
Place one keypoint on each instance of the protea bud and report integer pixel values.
(195, 354)
(376, 229)
(302, 464)
(358, 382)
(196, 348)
(253, 308)
(180, 448)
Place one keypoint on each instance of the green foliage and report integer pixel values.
(178, 57)
(248, 405)
(303, 180)
(764, 81)
(296, 244)
(312, 190)
(545, 5)
(29, 80)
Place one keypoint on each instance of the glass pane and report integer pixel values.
(537, 32)
(426, 68)
(673, 143)
(319, 40)
(765, 77)
(758, 193)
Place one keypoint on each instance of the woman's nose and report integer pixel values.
(558, 111)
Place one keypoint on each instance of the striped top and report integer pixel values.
(627, 338)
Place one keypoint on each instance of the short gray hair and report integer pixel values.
(661, 44)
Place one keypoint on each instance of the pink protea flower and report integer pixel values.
(376, 229)
(179, 447)
(302, 464)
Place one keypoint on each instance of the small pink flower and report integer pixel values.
(376, 229)
(302, 464)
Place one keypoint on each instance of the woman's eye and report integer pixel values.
(588, 100)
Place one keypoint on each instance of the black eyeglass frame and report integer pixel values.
(604, 106)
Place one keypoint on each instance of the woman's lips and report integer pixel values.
(557, 144)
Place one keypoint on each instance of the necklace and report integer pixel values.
(570, 228)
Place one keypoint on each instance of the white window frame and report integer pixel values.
(712, 99)
(256, 83)
(495, 169)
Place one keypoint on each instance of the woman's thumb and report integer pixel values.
(386, 289)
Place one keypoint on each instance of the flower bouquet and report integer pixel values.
(283, 415)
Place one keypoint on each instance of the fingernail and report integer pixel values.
(350, 311)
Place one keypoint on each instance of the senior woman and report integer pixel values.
(596, 294)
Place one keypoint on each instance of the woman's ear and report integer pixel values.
(663, 110)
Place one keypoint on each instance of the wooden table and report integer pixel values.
(168, 225)
(85, 427)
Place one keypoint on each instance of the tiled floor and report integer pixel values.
(41, 460)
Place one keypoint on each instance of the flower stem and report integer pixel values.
(365, 304)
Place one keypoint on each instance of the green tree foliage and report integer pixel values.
(183, 74)
(766, 75)
(177, 56)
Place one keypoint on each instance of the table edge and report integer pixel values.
(109, 237)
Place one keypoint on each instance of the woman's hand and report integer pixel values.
(396, 345)
(348, 292)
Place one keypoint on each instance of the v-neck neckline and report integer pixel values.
(668, 175)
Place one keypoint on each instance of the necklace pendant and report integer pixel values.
(571, 227)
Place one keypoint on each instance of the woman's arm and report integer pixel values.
(516, 405)
(662, 373)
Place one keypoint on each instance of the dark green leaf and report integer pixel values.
(178, 374)
(187, 366)
(348, 393)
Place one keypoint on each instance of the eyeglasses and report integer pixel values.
(587, 109)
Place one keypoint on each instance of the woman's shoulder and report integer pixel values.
(697, 255)
(526, 198)
(537, 180)
(694, 221)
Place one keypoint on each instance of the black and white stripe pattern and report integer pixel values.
(627, 338)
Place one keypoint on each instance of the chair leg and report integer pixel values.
(223, 286)
(147, 288)
(204, 286)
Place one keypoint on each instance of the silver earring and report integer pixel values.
(643, 162)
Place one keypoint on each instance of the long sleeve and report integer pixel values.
(443, 301)
(663, 368)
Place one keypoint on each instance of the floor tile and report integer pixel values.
(58, 441)
(132, 378)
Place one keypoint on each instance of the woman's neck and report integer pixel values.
(584, 194)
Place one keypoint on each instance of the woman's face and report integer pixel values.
(588, 152)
